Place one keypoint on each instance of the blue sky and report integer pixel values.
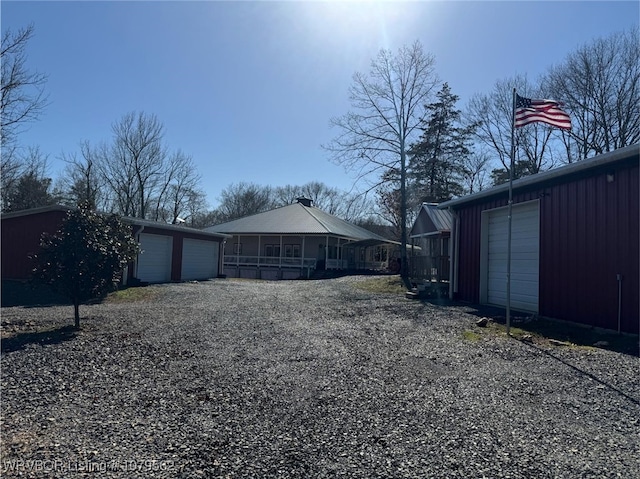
(247, 88)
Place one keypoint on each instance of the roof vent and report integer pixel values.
(304, 201)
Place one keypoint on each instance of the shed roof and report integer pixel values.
(431, 221)
(609, 158)
(296, 219)
(128, 219)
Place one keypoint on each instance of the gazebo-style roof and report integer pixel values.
(297, 219)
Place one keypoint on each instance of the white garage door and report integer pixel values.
(525, 253)
(154, 262)
(199, 259)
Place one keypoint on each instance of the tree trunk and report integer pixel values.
(76, 312)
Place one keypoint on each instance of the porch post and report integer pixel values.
(259, 238)
(326, 252)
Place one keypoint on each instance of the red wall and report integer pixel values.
(589, 233)
(21, 237)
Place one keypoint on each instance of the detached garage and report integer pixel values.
(175, 253)
(575, 243)
(168, 252)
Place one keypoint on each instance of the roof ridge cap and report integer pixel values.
(315, 217)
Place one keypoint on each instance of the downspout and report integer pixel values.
(453, 262)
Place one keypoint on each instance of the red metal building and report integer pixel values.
(168, 252)
(575, 243)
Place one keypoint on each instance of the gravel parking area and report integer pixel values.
(305, 379)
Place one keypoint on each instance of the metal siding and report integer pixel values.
(21, 237)
(589, 233)
(629, 201)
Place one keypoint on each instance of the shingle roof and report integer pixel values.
(295, 219)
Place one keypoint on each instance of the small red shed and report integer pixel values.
(575, 243)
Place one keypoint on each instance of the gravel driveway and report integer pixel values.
(306, 379)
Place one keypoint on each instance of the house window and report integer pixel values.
(292, 251)
(237, 248)
(272, 250)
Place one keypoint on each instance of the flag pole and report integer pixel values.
(510, 207)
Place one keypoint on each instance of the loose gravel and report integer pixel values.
(305, 379)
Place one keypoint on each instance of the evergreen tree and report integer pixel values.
(29, 191)
(438, 158)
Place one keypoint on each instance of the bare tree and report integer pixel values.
(22, 97)
(243, 199)
(286, 195)
(332, 200)
(494, 113)
(22, 100)
(134, 175)
(179, 195)
(599, 85)
(81, 182)
(475, 171)
(387, 107)
(136, 163)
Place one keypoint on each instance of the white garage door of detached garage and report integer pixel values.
(154, 262)
(525, 256)
(199, 259)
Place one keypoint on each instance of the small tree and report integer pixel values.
(83, 259)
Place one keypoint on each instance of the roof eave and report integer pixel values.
(597, 161)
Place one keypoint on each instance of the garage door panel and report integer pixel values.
(199, 259)
(525, 254)
(154, 260)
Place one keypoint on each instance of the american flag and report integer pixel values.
(545, 111)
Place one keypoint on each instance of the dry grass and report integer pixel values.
(385, 284)
(128, 295)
